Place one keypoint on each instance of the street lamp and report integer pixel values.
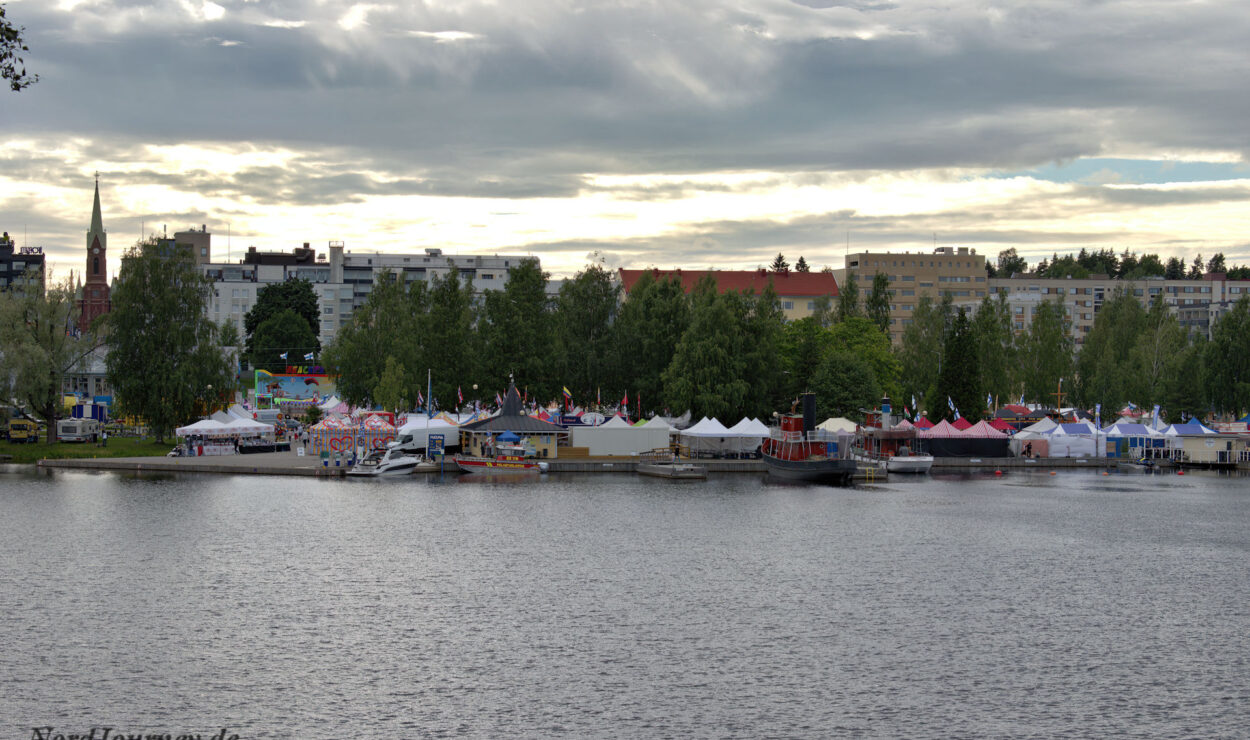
(208, 403)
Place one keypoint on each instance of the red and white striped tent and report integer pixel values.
(376, 432)
(332, 434)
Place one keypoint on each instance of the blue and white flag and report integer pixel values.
(1132, 406)
(950, 404)
(283, 355)
(913, 401)
(956, 414)
(1021, 401)
(1098, 415)
(1154, 421)
(989, 400)
(308, 356)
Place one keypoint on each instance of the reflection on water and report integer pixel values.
(608, 605)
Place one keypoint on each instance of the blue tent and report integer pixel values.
(509, 437)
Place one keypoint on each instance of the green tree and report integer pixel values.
(1175, 269)
(12, 66)
(763, 323)
(705, 375)
(448, 332)
(878, 304)
(280, 340)
(391, 389)
(273, 299)
(1187, 381)
(848, 298)
(1046, 353)
(959, 378)
(822, 310)
(995, 343)
(1195, 270)
(651, 322)
(1106, 371)
(514, 332)
(779, 264)
(802, 266)
(1161, 341)
(37, 350)
(585, 311)
(228, 334)
(802, 347)
(1216, 263)
(385, 326)
(1227, 359)
(163, 350)
(920, 353)
(844, 384)
(861, 337)
(1011, 263)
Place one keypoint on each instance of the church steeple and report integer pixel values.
(95, 292)
(97, 222)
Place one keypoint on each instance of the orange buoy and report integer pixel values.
(1180, 472)
(1105, 473)
(1052, 472)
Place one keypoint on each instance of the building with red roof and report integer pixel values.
(798, 291)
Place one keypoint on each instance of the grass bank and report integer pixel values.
(118, 447)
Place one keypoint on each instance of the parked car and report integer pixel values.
(23, 430)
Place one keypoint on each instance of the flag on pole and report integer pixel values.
(308, 356)
(567, 395)
(498, 400)
(989, 400)
(950, 404)
(597, 401)
(459, 395)
(913, 401)
(956, 414)
(1098, 415)
(283, 355)
(625, 401)
(420, 399)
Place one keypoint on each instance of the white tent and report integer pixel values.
(329, 404)
(1042, 426)
(749, 433)
(709, 435)
(839, 424)
(617, 436)
(203, 428)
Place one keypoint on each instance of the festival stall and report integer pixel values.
(748, 434)
(616, 436)
(707, 437)
(376, 432)
(334, 435)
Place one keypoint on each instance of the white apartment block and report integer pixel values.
(341, 278)
(1198, 304)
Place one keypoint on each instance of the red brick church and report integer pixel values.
(95, 291)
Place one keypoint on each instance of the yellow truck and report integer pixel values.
(23, 430)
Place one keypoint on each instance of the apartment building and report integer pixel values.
(1198, 304)
(342, 279)
(20, 267)
(957, 271)
(797, 291)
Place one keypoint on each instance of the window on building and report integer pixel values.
(908, 292)
(909, 278)
(787, 305)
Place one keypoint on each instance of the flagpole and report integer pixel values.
(429, 412)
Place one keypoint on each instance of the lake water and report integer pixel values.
(1074, 605)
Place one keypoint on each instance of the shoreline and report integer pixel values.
(291, 464)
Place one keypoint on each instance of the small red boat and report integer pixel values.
(509, 460)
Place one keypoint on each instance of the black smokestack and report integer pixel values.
(809, 411)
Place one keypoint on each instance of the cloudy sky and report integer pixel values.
(679, 134)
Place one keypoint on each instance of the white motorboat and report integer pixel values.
(909, 463)
(388, 462)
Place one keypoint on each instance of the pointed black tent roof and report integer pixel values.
(510, 419)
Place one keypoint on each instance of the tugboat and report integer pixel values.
(795, 456)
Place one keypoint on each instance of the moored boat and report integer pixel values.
(390, 461)
(893, 446)
(796, 456)
(510, 459)
(664, 464)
